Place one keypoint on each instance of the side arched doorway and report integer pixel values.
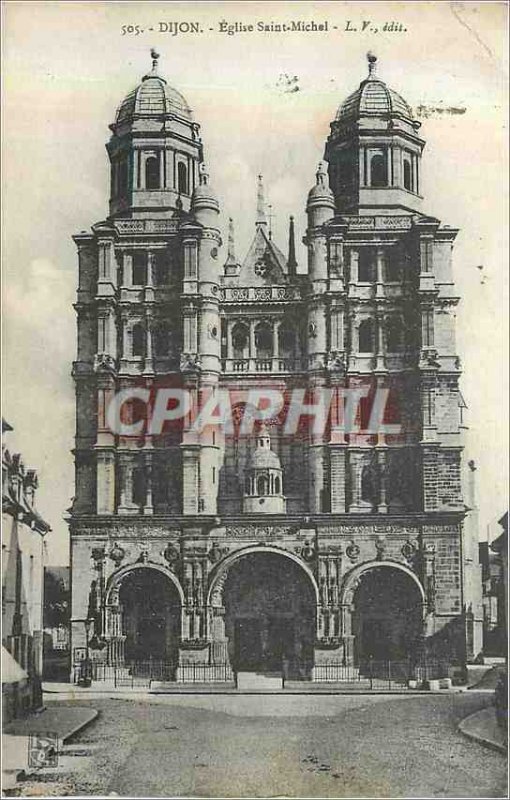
(145, 610)
(270, 615)
(387, 615)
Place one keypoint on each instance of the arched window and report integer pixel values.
(247, 485)
(277, 485)
(366, 265)
(138, 340)
(139, 486)
(368, 484)
(394, 334)
(123, 177)
(378, 171)
(366, 337)
(408, 180)
(139, 269)
(162, 341)
(160, 268)
(393, 266)
(182, 178)
(286, 342)
(240, 340)
(264, 341)
(152, 173)
(262, 485)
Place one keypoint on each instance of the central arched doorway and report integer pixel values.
(150, 611)
(387, 619)
(270, 612)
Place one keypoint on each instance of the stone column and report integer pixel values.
(149, 281)
(380, 262)
(230, 346)
(353, 269)
(148, 508)
(337, 465)
(382, 508)
(127, 269)
(276, 349)
(361, 167)
(355, 474)
(105, 461)
(252, 346)
(380, 361)
(125, 466)
(149, 360)
(161, 169)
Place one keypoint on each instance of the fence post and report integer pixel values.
(371, 663)
(389, 674)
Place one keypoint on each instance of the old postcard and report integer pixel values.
(254, 454)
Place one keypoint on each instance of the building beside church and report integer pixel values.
(23, 557)
(215, 551)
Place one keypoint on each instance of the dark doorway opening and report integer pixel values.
(387, 617)
(151, 617)
(270, 609)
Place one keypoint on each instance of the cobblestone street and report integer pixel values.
(329, 746)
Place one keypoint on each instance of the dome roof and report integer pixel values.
(373, 98)
(321, 190)
(262, 458)
(153, 97)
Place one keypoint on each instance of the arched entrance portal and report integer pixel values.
(150, 611)
(270, 610)
(387, 620)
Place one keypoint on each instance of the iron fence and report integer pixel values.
(370, 674)
(130, 674)
(205, 673)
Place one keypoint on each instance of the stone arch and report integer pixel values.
(139, 627)
(351, 578)
(118, 576)
(383, 613)
(219, 576)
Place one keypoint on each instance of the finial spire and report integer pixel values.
(231, 255)
(203, 174)
(154, 56)
(154, 71)
(292, 263)
(372, 62)
(261, 213)
(321, 175)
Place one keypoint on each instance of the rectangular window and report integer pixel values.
(428, 328)
(139, 269)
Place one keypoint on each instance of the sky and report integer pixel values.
(264, 101)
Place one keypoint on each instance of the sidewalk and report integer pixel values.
(483, 728)
(61, 721)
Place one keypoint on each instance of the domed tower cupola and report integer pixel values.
(263, 486)
(374, 151)
(204, 203)
(320, 206)
(154, 150)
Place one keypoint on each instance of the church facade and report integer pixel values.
(221, 550)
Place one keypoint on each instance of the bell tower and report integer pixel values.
(154, 151)
(374, 151)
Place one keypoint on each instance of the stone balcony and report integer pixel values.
(262, 365)
(259, 294)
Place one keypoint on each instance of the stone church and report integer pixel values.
(215, 553)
